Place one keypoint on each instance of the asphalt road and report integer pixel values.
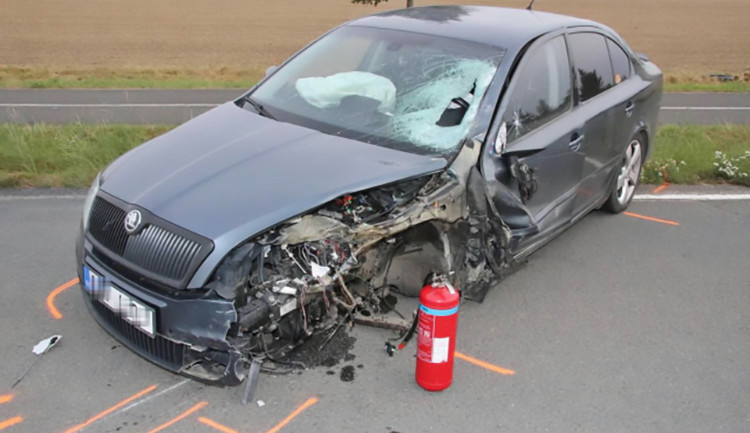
(619, 325)
(177, 106)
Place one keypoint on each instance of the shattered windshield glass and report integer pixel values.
(412, 92)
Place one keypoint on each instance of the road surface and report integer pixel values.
(622, 324)
(148, 106)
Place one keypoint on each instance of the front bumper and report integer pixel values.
(191, 331)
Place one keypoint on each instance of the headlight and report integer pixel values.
(90, 201)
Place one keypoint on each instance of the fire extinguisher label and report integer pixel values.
(440, 349)
(424, 337)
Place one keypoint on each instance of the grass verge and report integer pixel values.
(700, 154)
(102, 78)
(71, 155)
(64, 156)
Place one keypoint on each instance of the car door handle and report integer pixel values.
(575, 144)
(629, 109)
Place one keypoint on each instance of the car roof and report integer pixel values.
(502, 27)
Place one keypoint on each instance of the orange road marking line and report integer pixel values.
(6, 398)
(660, 188)
(51, 297)
(220, 427)
(101, 415)
(10, 422)
(310, 401)
(648, 218)
(180, 417)
(483, 364)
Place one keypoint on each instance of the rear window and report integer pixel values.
(593, 67)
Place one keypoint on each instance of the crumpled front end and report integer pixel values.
(337, 263)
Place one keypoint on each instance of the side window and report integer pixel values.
(620, 62)
(591, 62)
(542, 90)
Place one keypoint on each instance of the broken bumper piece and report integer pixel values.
(190, 334)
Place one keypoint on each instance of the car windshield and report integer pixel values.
(412, 92)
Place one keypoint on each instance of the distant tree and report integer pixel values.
(409, 3)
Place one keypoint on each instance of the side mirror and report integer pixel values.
(643, 57)
(271, 70)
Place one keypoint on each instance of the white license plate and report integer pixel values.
(131, 310)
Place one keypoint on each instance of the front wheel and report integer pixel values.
(628, 176)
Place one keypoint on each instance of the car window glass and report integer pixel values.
(408, 91)
(542, 90)
(620, 62)
(591, 61)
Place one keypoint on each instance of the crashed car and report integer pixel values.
(443, 140)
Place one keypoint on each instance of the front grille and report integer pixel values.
(160, 251)
(157, 349)
(106, 226)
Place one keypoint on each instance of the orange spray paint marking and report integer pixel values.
(6, 398)
(310, 401)
(220, 427)
(483, 364)
(101, 415)
(10, 422)
(648, 218)
(180, 417)
(51, 297)
(660, 188)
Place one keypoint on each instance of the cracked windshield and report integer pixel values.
(402, 90)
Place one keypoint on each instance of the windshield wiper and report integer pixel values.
(258, 107)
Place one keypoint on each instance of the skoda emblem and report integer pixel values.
(132, 221)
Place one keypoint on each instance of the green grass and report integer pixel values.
(64, 156)
(687, 155)
(102, 78)
(71, 155)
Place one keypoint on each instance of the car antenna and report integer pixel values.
(530, 5)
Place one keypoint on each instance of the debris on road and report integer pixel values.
(39, 349)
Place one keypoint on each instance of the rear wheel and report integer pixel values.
(628, 176)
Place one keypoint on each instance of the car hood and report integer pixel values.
(230, 173)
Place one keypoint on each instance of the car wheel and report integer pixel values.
(627, 178)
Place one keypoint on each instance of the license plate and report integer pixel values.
(128, 308)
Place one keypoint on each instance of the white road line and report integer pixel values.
(706, 108)
(690, 197)
(171, 105)
(41, 197)
(151, 397)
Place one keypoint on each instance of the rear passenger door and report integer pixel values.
(594, 78)
(625, 98)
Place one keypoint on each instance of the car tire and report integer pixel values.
(627, 177)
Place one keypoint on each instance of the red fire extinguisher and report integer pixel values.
(436, 334)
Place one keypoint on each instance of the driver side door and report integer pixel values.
(542, 133)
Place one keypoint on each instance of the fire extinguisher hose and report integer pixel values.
(391, 349)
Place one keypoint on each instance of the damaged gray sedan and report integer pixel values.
(450, 140)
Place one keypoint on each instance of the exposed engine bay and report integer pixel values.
(341, 262)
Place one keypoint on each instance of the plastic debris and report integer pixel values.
(260, 403)
(40, 348)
